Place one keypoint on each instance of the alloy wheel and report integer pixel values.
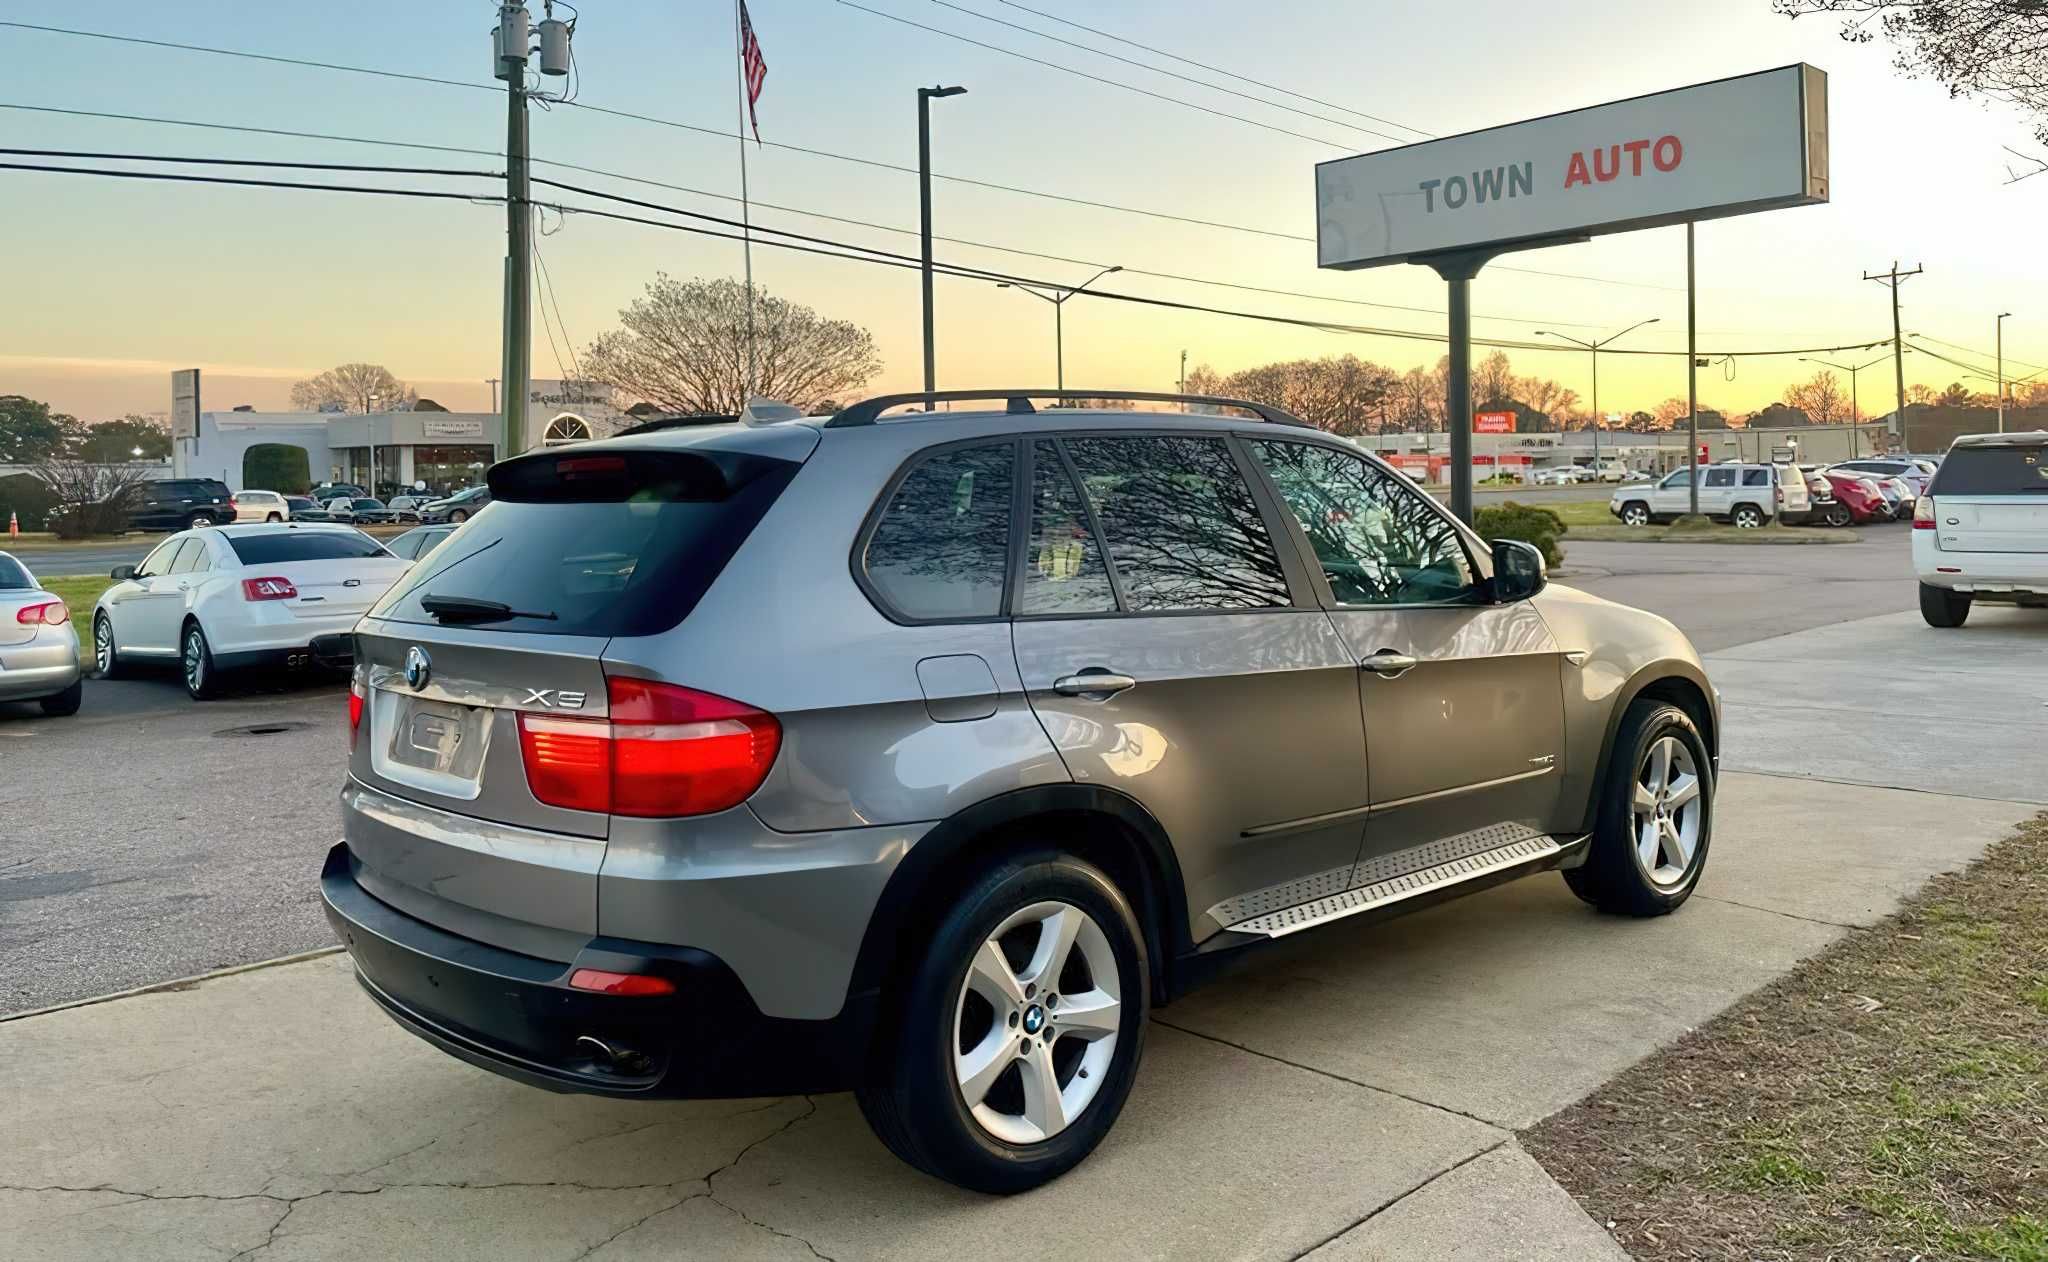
(1635, 515)
(1747, 518)
(1667, 811)
(195, 661)
(1036, 1022)
(103, 645)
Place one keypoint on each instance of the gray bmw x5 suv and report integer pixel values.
(923, 754)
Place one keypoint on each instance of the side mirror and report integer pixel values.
(1518, 571)
(122, 573)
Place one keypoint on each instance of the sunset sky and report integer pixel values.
(116, 283)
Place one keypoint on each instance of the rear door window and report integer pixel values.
(1183, 530)
(1720, 477)
(622, 543)
(941, 548)
(1063, 569)
(1993, 471)
(286, 546)
(191, 558)
(1756, 477)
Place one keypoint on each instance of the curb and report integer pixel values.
(180, 983)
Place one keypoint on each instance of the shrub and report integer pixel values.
(277, 467)
(1526, 522)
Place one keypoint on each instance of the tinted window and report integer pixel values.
(1379, 542)
(623, 543)
(1992, 471)
(1756, 477)
(13, 578)
(1182, 529)
(367, 506)
(1063, 569)
(407, 545)
(1720, 477)
(942, 546)
(191, 557)
(282, 546)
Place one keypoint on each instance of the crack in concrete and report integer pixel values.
(641, 1221)
(1789, 915)
(1337, 1077)
(772, 1230)
(1459, 1164)
(711, 1192)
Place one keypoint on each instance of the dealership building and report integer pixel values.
(431, 451)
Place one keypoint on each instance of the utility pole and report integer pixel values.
(1692, 381)
(1594, 347)
(1183, 371)
(512, 48)
(924, 198)
(2001, 369)
(1892, 280)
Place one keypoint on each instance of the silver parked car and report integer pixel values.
(38, 645)
(923, 754)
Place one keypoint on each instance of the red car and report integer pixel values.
(1856, 495)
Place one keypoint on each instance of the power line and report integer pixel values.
(1228, 74)
(1082, 74)
(1171, 74)
(1042, 194)
(1971, 350)
(554, 300)
(794, 210)
(868, 254)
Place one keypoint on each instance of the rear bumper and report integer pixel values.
(43, 667)
(1984, 575)
(517, 1016)
(290, 641)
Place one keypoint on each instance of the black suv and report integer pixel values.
(180, 504)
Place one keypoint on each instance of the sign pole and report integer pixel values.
(1458, 271)
(1692, 381)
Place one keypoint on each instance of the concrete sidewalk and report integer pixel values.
(1355, 1095)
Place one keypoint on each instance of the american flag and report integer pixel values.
(754, 66)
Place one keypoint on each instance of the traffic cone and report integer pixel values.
(13, 524)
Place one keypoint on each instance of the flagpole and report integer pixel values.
(739, 69)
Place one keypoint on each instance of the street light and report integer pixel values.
(1059, 306)
(2001, 370)
(924, 195)
(1852, 371)
(1594, 347)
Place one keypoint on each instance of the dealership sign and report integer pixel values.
(1493, 422)
(1714, 149)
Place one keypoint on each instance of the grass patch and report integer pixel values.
(1614, 532)
(1886, 1099)
(79, 592)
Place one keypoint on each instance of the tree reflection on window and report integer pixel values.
(1379, 542)
(1180, 523)
(1063, 570)
(942, 546)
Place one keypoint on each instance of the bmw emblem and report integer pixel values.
(417, 668)
(1034, 1019)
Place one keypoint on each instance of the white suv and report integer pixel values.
(1981, 531)
(1748, 495)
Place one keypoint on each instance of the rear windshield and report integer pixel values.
(1992, 471)
(280, 547)
(13, 578)
(612, 544)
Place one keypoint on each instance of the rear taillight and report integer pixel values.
(665, 751)
(50, 614)
(268, 589)
(606, 982)
(355, 711)
(1923, 514)
(1779, 492)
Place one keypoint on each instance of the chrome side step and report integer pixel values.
(1279, 924)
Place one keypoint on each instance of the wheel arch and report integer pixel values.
(1678, 682)
(1109, 829)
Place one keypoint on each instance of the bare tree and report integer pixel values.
(88, 497)
(1493, 380)
(683, 346)
(1822, 399)
(1992, 50)
(1554, 400)
(1419, 399)
(1670, 414)
(353, 388)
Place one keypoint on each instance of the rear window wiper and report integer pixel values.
(468, 609)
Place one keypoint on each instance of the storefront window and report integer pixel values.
(388, 470)
(446, 470)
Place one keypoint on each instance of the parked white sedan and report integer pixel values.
(236, 597)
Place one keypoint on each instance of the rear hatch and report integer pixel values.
(489, 656)
(328, 573)
(1993, 497)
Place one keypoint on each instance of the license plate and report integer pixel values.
(436, 737)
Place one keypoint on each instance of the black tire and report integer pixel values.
(197, 521)
(1942, 607)
(273, 517)
(1638, 510)
(1838, 515)
(66, 702)
(106, 652)
(1612, 879)
(202, 681)
(459, 515)
(917, 1109)
(1747, 516)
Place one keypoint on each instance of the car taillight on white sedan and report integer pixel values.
(268, 589)
(50, 614)
(356, 697)
(664, 751)
(1923, 513)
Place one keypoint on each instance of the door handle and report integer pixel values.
(1099, 684)
(1387, 663)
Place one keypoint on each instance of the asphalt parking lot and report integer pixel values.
(167, 838)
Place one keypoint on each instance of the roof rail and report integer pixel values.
(1018, 403)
